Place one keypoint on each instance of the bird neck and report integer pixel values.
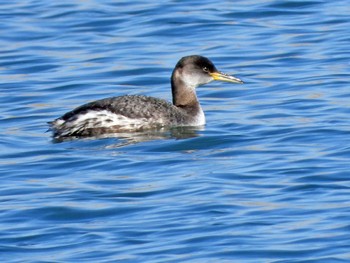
(183, 95)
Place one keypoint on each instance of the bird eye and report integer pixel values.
(205, 69)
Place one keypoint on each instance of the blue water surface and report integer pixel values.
(266, 180)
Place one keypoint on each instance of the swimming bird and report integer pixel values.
(138, 113)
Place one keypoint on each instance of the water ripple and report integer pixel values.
(265, 180)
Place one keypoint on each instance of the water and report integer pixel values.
(267, 179)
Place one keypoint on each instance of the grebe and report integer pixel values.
(138, 112)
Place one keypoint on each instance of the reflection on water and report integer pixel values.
(127, 138)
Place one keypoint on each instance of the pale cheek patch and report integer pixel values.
(193, 80)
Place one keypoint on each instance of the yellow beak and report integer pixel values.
(224, 77)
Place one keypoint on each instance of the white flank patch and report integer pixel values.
(93, 119)
(101, 119)
(58, 122)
